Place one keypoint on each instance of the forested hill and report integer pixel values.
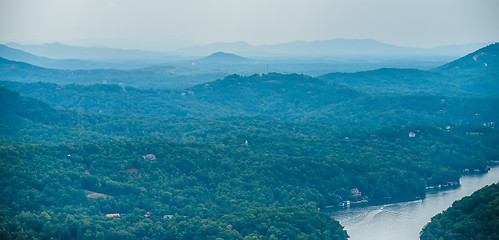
(276, 95)
(474, 75)
(15, 108)
(482, 61)
(473, 217)
(392, 81)
(271, 93)
(279, 96)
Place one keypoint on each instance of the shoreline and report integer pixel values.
(379, 202)
(394, 220)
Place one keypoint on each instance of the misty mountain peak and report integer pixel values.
(223, 57)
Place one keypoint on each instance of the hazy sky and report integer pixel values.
(422, 23)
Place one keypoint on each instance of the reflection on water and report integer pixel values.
(405, 220)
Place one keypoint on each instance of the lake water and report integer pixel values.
(404, 221)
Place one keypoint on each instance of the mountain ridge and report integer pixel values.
(319, 48)
(14, 54)
(332, 47)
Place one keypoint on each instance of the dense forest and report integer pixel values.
(286, 97)
(211, 174)
(244, 157)
(473, 217)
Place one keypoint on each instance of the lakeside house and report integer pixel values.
(355, 192)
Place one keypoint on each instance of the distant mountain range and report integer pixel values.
(385, 96)
(22, 56)
(335, 48)
(62, 51)
(453, 78)
(76, 64)
(329, 48)
(228, 62)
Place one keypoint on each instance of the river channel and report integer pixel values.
(404, 220)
